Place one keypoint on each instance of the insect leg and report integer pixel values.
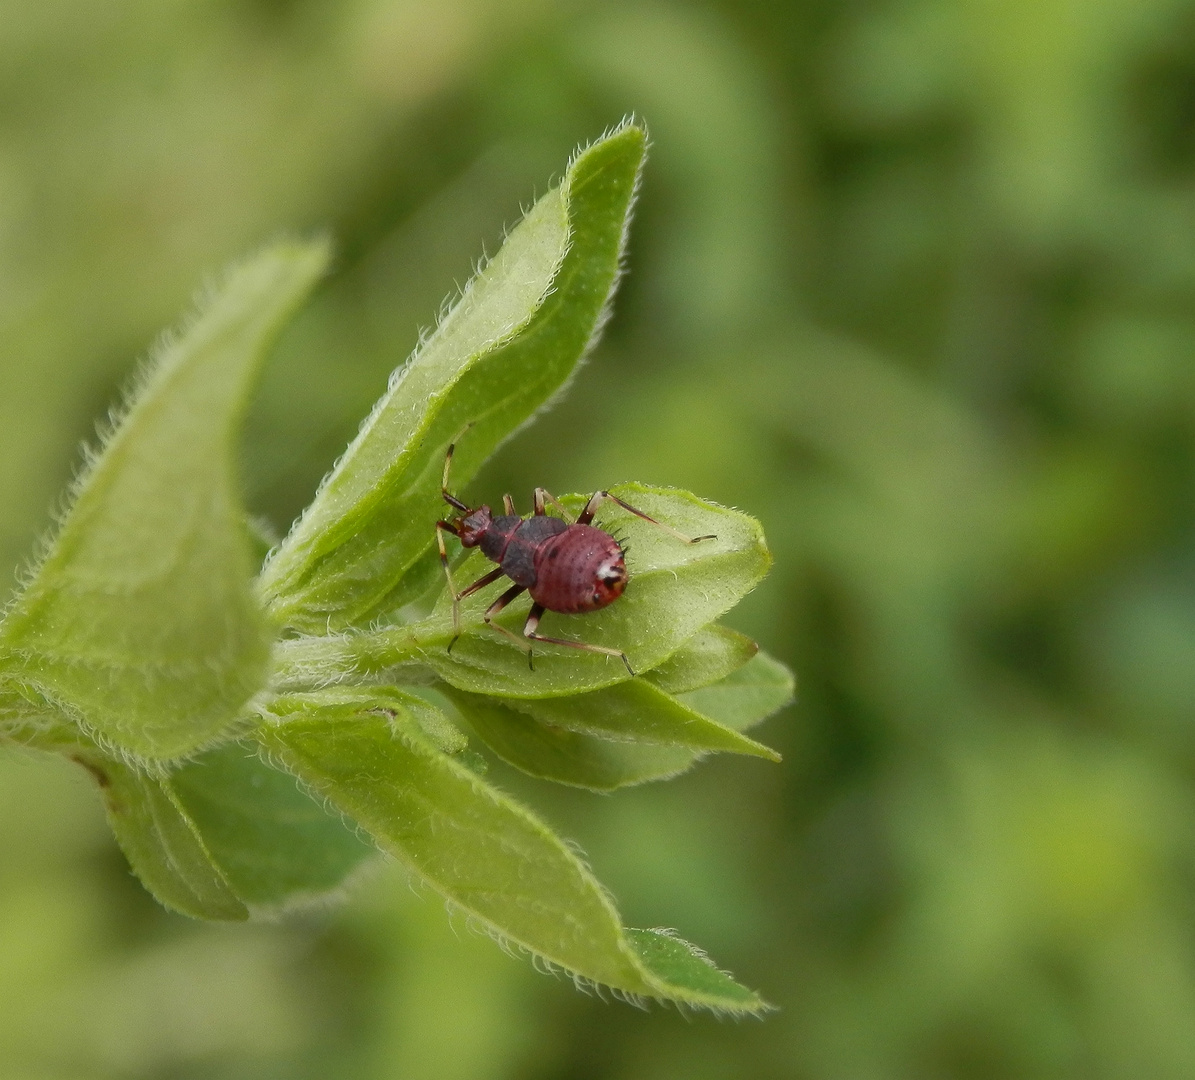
(480, 583)
(510, 594)
(531, 631)
(441, 528)
(544, 496)
(598, 497)
(449, 498)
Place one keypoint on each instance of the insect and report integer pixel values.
(566, 567)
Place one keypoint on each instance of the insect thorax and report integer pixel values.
(518, 560)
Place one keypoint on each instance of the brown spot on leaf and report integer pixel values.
(101, 777)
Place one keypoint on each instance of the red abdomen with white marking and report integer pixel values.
(579, 569)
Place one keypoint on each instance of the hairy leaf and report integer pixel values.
(746, 696)
(473, 844)
(567, 757)
(509, 344)
(487, 854)
(26, 717)
(273, 842)
(141, 623)
(570, 753)
(634, 711)
(161, 842)
(677, 963)
(425, 707)
(709, 655)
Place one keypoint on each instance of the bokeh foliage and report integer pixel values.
(913, 282)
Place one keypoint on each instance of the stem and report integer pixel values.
(321, 661)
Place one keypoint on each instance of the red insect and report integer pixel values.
(569, 568)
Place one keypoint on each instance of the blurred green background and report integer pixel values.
(912, 280)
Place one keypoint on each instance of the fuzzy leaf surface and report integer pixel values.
(635, 711)
(675, 962)
(475, 845)
(509, 344)
(273, 843)
(569, 753)
(709, 655)
(746, 696)
(141, 622)
(161, 842)
(567, 757)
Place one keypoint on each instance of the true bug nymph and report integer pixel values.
(567, 567)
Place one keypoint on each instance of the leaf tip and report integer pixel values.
(744, 744)
(627, 140)
(686, 976)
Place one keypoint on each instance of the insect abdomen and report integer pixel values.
(582, 569)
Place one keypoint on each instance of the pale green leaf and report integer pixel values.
(161, 842)
(470, 842)
(141, 623)
(425, 706)
(633, 711)
(686, 968)
(675, 590)
(709, 655)
(420, 583)
(274, 844)
(484, 852)
(746, 696)
(567, 757)
(27, 718)
(570, 753)
(505, 349)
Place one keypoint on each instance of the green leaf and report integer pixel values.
(709, 655)
(483, 851)
(519, 733)
(273, 843)
(473, 844)
(675, 590)
(567, 757)
(746, 696)
(633, 711)
(27, 718)
(421, 582)
(674, 961)
(141, 623)
(425, 707)
(161, 842)
(509, 344)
